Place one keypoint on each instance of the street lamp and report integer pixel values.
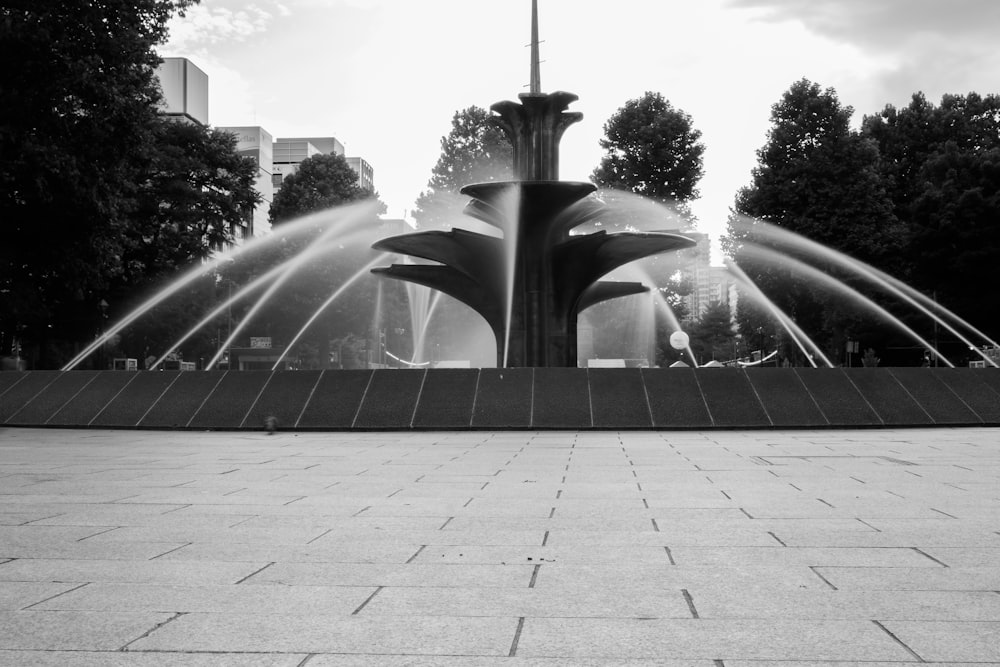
(102, 305)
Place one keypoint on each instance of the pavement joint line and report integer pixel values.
(725, 494)
(118, 500)
(152, 630)
(447, 521)
(825, 580)
(232, 493)
(645, 503)
(794, 487)
(534, 575)
(558, 494)
(258, 571)
(363, 509)
(924, 553)
(545, 539)
(106, 530)
(393, 493)
(483, 487)
(42, 518)
(177, 509)
(53, 597)
(517, 637)
(306, 660)
(861, 481)
(249, 518)
(293, 501)
(877, 530)
(898, 641)
(778, 539)
(656, 528)
(552, 512)
(950, 516)
(467, 502)
(328, 530)
(690, 603)
(670, 556)
(826, 503)
(367, 600)
(417, 553)
(749, 516)
(171, 550)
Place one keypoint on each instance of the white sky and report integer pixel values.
(386, 76)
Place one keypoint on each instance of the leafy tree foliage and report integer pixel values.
(320, 182)
(83, 155)
(652, 149)
(942, 169)
(713, 334)
(817, 177)
(474, 151)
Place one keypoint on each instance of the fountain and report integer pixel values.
(531, 285)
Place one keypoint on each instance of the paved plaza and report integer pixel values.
(691, 548)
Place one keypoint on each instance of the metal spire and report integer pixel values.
(536, 77)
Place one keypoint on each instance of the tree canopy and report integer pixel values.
(651, 149)
(941, 166)
(320, 182)
(79, 131)
(474, 151)
(819, 178)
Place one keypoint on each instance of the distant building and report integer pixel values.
(255, 142)
(185, 90)
(289, 152)
(710, 284)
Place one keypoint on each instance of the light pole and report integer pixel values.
(102, 305)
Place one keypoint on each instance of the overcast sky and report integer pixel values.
(386, 76)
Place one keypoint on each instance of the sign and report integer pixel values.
(260, 342)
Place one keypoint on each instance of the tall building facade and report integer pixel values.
(257, 143)
(185, 90)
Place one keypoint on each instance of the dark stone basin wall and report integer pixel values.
(496, 399)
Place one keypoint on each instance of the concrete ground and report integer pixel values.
(872, 547)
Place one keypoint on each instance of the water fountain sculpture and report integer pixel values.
(531, 285)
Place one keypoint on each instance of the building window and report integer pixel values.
(276, 180)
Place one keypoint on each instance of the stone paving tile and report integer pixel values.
(328, 600)
(133, 659)
(966, 556)
(378, 574)
(742, 600)
(427, 635)
(538, 554)
(74, 631)
(950, 641)
(468, 661)
(89, 550)
(640, 576)
(156, 571)
(16, 595)
(350, 552)
(778, 556)
(910, 579)
(708, 639)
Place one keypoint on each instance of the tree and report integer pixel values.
(78, 99)
(321, 183)
(194, 191)
(817, 177)
(474, 151)
(940, 164)
(652, 149)
(713, 334)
